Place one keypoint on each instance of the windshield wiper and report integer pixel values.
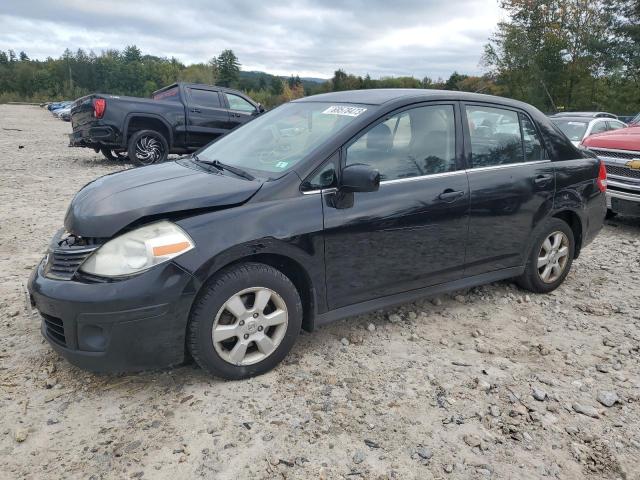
(223, 166)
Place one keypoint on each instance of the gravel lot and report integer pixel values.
(487, 383)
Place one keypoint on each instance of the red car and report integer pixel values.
(620, 151)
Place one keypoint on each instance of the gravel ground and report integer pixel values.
(487, 383)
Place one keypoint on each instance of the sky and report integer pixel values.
(310, 38)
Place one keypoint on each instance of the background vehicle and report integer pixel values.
(326, 207)
(63, 113)
(57, 105)
(634, 121)
(579, 128)
(620, 151)
(584, 114)
(179, 118)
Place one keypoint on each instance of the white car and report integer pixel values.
(580, 127)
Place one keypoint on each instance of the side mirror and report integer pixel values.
(359, 178)
(261, 108)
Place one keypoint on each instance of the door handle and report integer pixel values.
(450, 195)
(196, 110)
(542, 179)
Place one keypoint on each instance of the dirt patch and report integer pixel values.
(479, 384)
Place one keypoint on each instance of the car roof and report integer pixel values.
(583, 119)
(585, 114)
(380, 96)
(201, 85)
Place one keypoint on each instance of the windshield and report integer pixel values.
(573, 130)
(279, 139)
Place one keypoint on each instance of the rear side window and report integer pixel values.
(531, 141)
(204, 98)
(171, 95)
(501, 137)
(495, 136)
(616, 125)
(239, 103)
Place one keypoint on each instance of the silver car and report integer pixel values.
(580, 127)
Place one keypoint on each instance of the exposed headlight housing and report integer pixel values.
(138, 250)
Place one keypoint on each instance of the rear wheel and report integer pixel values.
(245, 322)
(147, 147)
(550, 258)
(113, 155)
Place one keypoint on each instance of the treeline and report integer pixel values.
(555, 54)
(130, 72)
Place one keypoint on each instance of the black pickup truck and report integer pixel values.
(179, 119)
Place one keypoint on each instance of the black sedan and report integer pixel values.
(325, 207)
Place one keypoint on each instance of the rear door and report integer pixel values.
(240, 109)
(512, 183)
(207, 119)
(412, 232)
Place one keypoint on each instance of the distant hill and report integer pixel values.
(249, 79)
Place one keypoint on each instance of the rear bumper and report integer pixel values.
(95, 137)
(128, 325)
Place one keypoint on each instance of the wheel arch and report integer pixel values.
(146, 121)
(574, 221)
(290, 267)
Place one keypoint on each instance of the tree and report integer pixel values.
(228, 69)
(23, 57)
(132, 54)
(549, 52)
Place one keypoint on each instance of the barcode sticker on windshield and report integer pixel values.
(344, 110)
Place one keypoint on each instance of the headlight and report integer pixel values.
(138, 250)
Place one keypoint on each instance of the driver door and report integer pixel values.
(412, 232)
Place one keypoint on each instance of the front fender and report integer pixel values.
(291, 228)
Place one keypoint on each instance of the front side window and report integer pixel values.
(279, 139)
(239, 103)
(413, 143)
(599, 128)
(204, 98)
(323, 177)
(495, 136)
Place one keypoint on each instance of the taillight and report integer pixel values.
(99, 106)
(602, 177)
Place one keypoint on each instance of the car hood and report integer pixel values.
(107, 205)
(622, 139)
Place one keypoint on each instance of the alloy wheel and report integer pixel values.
(148, 150)
(553, 257)
(249, 326)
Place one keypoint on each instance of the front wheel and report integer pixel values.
(550, 258)
(245, 321)
(147, 147)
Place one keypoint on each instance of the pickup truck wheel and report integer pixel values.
(244, 322)
(147, 147)
(550, 258)
(113, 155)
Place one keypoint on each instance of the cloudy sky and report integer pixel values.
(309, 38)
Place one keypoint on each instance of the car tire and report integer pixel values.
(147, 147)
(546, 266)
(234, 315)
(113, 155)
(610, 214)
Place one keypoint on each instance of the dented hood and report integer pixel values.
(107, 205)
